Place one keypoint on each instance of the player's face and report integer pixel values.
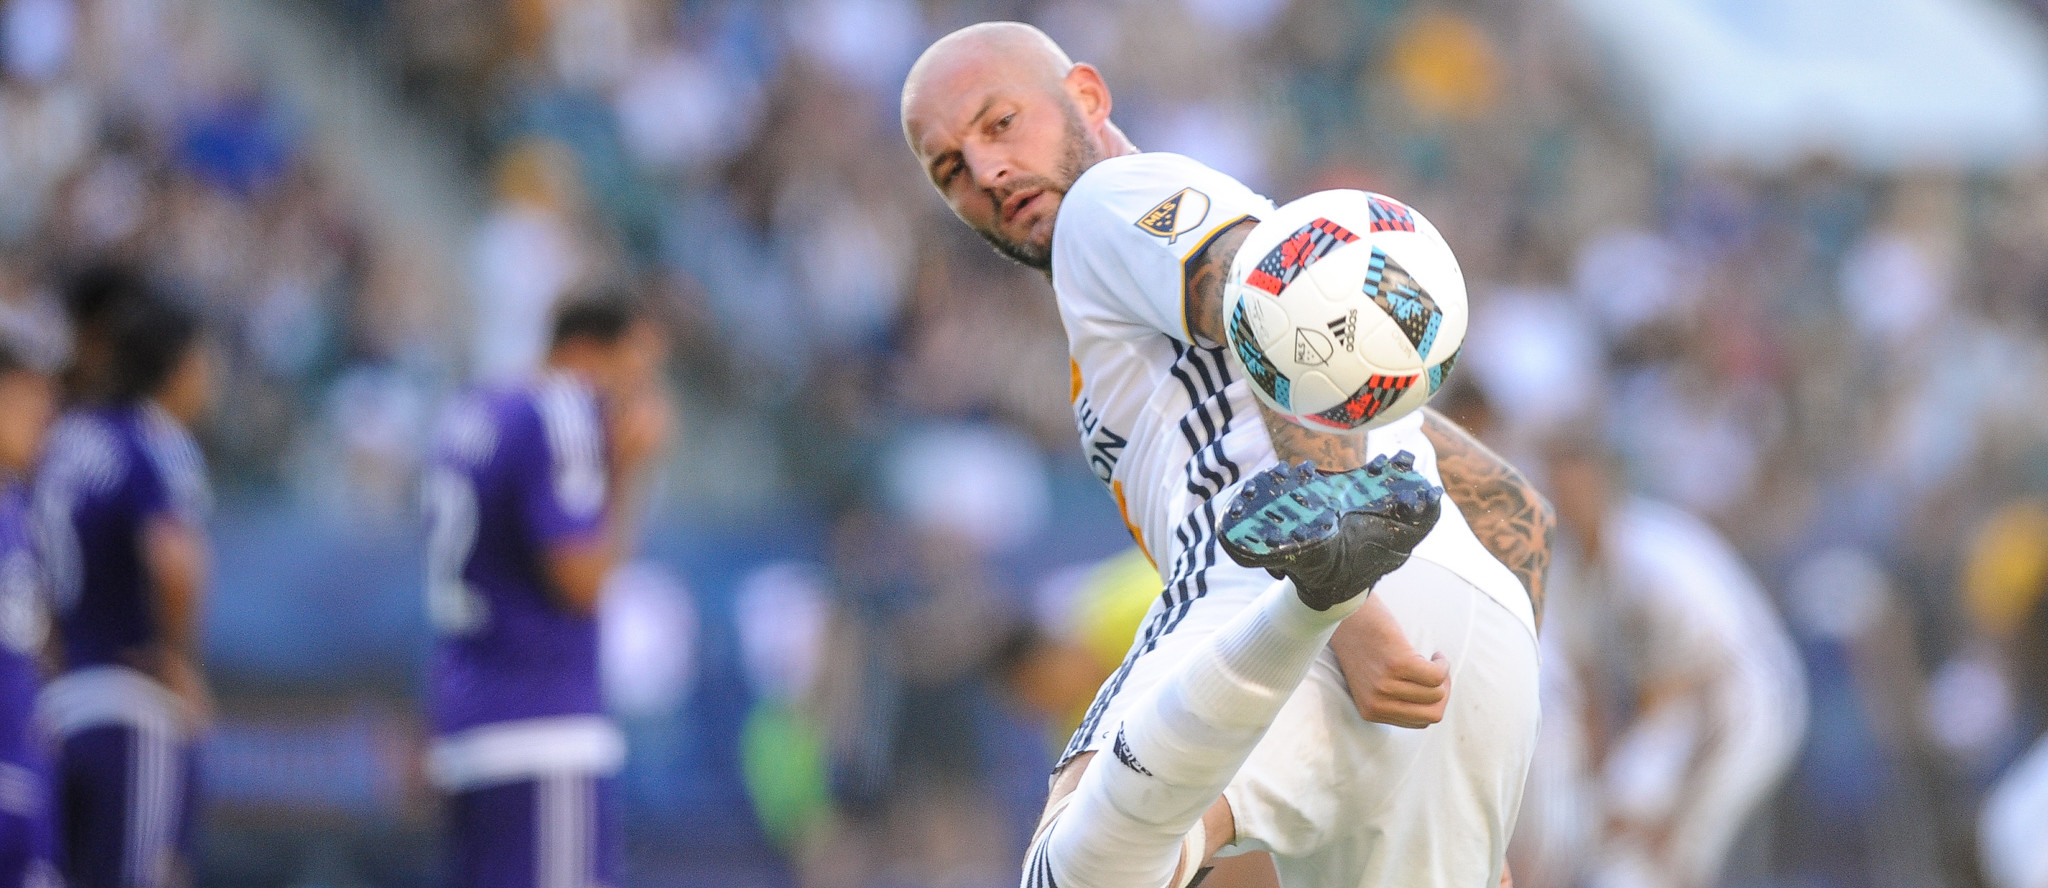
(188, 393)
(1003, 154)
(634, 362)
(645, 350)
(28, 401)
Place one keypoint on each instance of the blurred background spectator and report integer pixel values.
(1794, 259)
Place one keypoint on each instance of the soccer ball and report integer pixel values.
(1347, 310)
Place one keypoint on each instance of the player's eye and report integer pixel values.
(1005, 122)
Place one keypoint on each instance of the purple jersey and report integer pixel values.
(24, 624)
(515, 471)
(107, 472)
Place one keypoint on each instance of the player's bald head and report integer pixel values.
(978, 56)
(1004, 123)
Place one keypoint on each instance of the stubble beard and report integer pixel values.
(1075, 159)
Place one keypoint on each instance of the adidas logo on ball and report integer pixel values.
(1345, 330)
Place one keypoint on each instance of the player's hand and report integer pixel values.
(190, 686)
(638, 425)
(1390, 682)
(183, 678)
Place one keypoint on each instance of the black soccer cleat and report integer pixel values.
(1333, 535)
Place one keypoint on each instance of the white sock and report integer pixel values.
(1179, 746)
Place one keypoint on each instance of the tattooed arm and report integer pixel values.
(1507, 514)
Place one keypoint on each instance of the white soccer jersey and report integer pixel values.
(1170, 426)
(1165, 423)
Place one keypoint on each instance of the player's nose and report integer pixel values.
(990, 169)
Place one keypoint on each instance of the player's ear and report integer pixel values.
(1089, 92)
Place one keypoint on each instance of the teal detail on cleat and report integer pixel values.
(1333, 535)
(1310, 510)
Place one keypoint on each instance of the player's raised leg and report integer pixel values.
(1330, 538)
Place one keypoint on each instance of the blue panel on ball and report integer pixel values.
(1264, 375)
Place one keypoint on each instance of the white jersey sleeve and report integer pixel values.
(1126, 230)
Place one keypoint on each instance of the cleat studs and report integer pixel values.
(1404, 461)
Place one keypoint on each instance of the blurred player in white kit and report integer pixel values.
(1017, 139)
(1674, 698)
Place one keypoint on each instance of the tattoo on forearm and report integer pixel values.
(1507, 514)
(1330, 452)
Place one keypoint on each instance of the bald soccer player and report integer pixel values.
(1230, 724)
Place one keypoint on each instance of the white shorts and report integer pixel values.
(1340, 801)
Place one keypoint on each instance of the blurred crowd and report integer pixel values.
(137, 135)
(1839, 369)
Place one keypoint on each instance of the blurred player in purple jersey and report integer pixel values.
(527, 501)
(28, 400)
(119, 505)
